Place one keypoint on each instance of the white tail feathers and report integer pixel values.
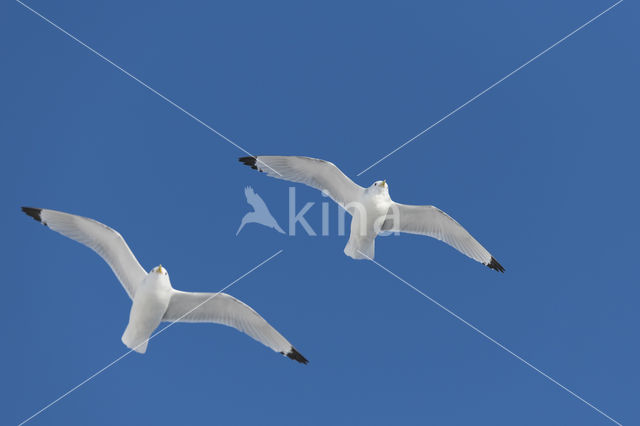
(134, 340)
(360, 247)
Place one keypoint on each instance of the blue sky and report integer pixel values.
(542, 170)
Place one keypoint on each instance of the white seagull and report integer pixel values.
(372, 209)
(154, 299)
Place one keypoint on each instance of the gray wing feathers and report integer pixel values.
(105, 241)
(319, 174)
(433, 222)
(221, 308)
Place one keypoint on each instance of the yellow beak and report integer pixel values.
(384, 183)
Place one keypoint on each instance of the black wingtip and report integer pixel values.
(33, 212)
(295, 355)
(250, 161)
(493, 264)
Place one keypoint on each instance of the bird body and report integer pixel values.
(372, 208)
(368, 214)
(148, 308)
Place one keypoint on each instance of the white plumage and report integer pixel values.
(154, 299)
(372, 209)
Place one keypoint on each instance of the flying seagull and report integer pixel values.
(260, 213)
(372, 209)
(154, 299)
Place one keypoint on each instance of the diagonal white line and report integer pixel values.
(492, 340)
(491, 87)
(142, 83)
(115, 361)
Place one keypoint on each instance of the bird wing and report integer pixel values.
(105, 241)
(221, 308)
(433, 222)
(255, 200)
(314, 172)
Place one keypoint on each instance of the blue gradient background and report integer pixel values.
(542, 170)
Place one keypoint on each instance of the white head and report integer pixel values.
(379, 186)
(159, 270)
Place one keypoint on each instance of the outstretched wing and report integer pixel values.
(221, 308)
(433, 222)
(314, 172)
(105, 241)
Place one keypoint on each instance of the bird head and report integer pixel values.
(380, 186)
(159, 270)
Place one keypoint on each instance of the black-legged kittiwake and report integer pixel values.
(372, 209)
(154, 299)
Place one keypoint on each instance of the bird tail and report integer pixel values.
(360, 248)
(134, 341)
